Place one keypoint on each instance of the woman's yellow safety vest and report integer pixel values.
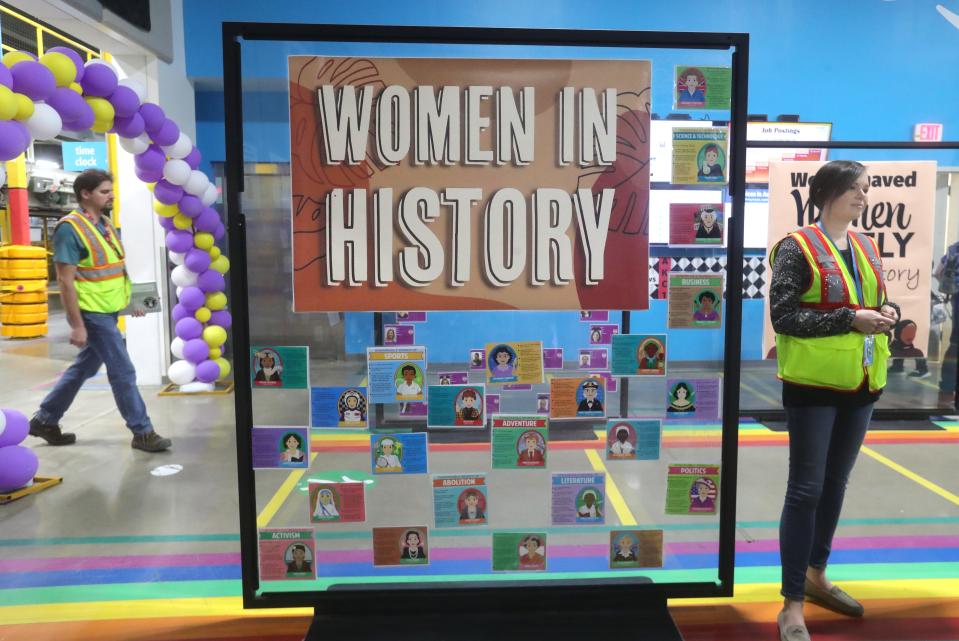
(101, 281)
(835, 362)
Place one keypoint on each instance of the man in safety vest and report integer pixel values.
(94, 288)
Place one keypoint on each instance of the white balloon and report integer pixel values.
(176, 347)
(183, 277)
(135, 145)
(45, 123)
(176, 257)
(179, 292)
(138, 89)
(182, 372)
(3, 423)
(3, 176)
(181, 148)
(209, 196)
(197, 386)
(197, 183)
(176, 172)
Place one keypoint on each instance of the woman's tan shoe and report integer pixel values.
(834, 599)
(792, 632)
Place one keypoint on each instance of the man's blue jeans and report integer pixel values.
(823, 445)
(104, 346)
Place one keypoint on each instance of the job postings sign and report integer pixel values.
(436, 184)
(78, 156)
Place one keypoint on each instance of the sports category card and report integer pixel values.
(702, 87)
(281, 447)
(635, 549)
(410, 317)
(639, 355)
(519, 442)
(633, 439)
(699, 156)
(456, 406)
(594, 358)
(593, 316)
(692, 489)
(280, 367)
(602, 334)
(401, 546)
(542, 404)
(492, 404)
(695, 225)
(287, 554)
(553, 358)
(338, 406)
(460, 500)
(337, 502)
(693, 398)
(578, 498)
(519, 551)
(396, 375)
(477, 360)
(520, 363)
(453, 378)
(398, 335)
(577, 398)
(695, 301)
(399, 453)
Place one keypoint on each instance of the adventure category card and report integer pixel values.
(519, 442)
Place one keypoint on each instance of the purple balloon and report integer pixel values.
(189, 328)
(72, 55)
(179, 241)
(211, 281)
(219, 232)
(196, 351)
(125, 101)
(166, 223)
(207, 372)
(166, 192)
(81, 123)
(68, 103)
(98, 80)
(153, 116)
(6, 78)
(33, 80)
(129, 127)
(18, 465)
(12, 141)
(221, 318)
(193, 158)
(167, 134)
(207, 220)
(150, 176)
(179, 313)
(192, 299)
(197, 260)
(191, 206)
(152, 158)
(16, 430)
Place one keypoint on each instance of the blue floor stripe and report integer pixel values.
(124, 575)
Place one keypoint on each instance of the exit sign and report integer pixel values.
(927, 132)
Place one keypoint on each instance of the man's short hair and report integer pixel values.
(89, 180)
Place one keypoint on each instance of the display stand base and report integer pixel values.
(40, 483)
(172, 389)
(646, 622)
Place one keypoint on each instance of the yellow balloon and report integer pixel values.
(215, 353)
(225, 367)
(13, 57)
(150, 186)
(102, 126)
(203, 240)
(64, 71)
(214, 335)
(8, 103)
(25, 106)
(216, 301)
(76, 87)
(203, 314)
(215, 252)
(167, 211)
(221, 264)
(182, 222)
(102, 109)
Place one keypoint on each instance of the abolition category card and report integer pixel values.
(577, 398)
(453, 378)
(456, 406)
(699, 156)
(516, 362)
(337, 502)
(692, 489)
(635, 549)
(396, 375)
(602, 334)
(338, 406)
(695, 301)
(281, 447)
(519, 442)
(633, 439)
(460, 500)
(553, 358)
(401, 545)
(280, 367)
(693, 398)
(578, 498)
(477, 360)
(639, 355)
(399, 335)
(399, 453)
(519, 551)
(702, 87)
(287, 554)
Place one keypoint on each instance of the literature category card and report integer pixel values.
(399, 453)
(281, 447)
(401, 546)
(639, 355)
(460, 500)
(553, 358)
(695, 301)
(579, 498)
(337, 502)
(520, 362)
(692, 489)
(287, 554)
(519, 551)
(602, 334)
(636, 549)
(398, 335)
(577, 398)
(519, 442)
(693, 398)
(280, 367)
(456, 406)
(396, 375)
(338, 406)
(633, 439)
(594, 358)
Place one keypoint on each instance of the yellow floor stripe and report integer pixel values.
(909, 474)
(888, 589)
(281, 495)
(766, 397)
(612, 491)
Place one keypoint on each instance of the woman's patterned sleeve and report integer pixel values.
(791, 276)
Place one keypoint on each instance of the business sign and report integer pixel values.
(78, 156)
(423, 184)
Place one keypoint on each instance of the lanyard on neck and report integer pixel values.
(856, 276)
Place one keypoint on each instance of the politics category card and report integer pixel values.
(703, 87)
(602, 334)
(578, 498)
(338, 406)
(337, 502)
(399, 453)
(398, 335)
(453, 378)
(280, 367)
(639, 355)
(593, 316)
(519, 442)
(542, 404)
(692, 225)
(553, 358)
(456, 406)
(460, 500)
(401, 546)
(410, 317)
(594, 358)
(633, 439)
(692, 489)
(520, 363)
(695, 301)
(635, 549)
(287, 554)
(492, 404)
(693, 398)
(396, 375)
(281, 447)
(699, 156)
(478, 360)
(577, 398)
(519, 551)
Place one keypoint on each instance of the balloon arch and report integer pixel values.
(39, 98)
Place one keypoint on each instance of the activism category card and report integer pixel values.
(633, 439)
(337, 502)
(577, 398)
(456, 406)
(281, 447)
(396, 375)
(578, 498)
(519, 442)
(594, 358)
(695, 301)
(401, 545)
(693, 398)
(692, 225)
(478, 360)
(399, 453)
(280, 367)
(410, 317)
(692, 489)
(553, 358)
(635, 549)
(520, 363)
(398, 335)
(699, 156)
(338, 406)
(453, 378)
(592, 316)
(639, 355)
(492, 404)
(602, 334)
(460, 500)
(519, 551)
(287, 554)
(702, 88)
(542, 404)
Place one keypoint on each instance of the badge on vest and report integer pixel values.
(869, 351)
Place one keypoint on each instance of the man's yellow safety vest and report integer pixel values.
(101, 281)
(835, 362)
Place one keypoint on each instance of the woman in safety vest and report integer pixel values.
(828, 307)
